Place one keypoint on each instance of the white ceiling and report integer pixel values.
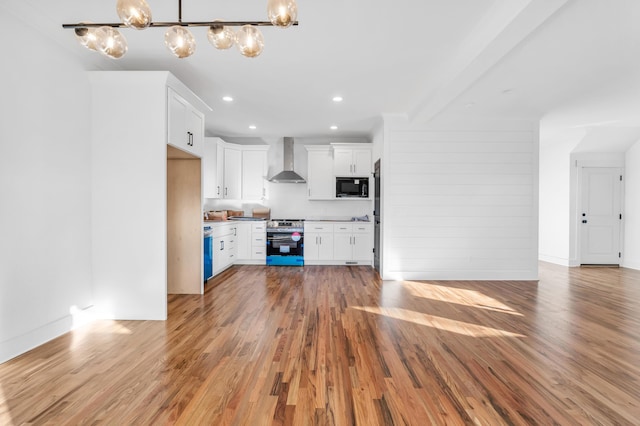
(513, 58)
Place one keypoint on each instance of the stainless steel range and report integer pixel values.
(285, 242)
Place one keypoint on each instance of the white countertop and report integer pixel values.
(333, 219)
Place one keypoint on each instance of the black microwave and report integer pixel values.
(352, 187)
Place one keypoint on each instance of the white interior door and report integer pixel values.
(600, 216)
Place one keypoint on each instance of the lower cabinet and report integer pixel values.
(224, 246)
(353, 243)
(338, 243)
(252, 243)
(318, 242)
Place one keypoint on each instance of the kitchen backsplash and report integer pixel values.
(289, 200)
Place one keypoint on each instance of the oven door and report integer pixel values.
(284, 244)
(285, 248)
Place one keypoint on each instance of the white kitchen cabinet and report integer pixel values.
(212, 168)
(243, 240)
(318, 243)
(224, 246)
(362, 242)
(254, 171)
(232, 173)
(185, 124)
(219, 169)
(320, 178)
(338, 243)
(349, 160)
(252, 243)
(353, 243)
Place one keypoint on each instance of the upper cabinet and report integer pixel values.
(254, 171)
(234, 172)
(232, 185)
(326, 162)
(351, 160)
(185, 124)
(320, 179)
(212, 168)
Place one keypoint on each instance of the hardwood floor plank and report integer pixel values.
(335, 345)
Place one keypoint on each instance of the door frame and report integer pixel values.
(377, 216)
(578, 162)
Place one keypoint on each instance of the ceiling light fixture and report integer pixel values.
(334, 127)
(252, 127)
(227, 98)
(106, 39)
(337, 99)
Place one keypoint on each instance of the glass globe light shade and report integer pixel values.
(134, 13)
(221, 37)
(87, 37)
(249, 41)
(179, 41)
(282, 13)
(110, 42)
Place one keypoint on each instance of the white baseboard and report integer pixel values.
(631, 264)
(20, 344)
(554, 259)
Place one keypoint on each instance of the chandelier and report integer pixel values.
(106, 39)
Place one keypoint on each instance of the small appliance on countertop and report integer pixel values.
(285, 242)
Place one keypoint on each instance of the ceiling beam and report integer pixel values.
(505, 26)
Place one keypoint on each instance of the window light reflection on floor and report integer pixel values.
(440, 323)
(459, 296)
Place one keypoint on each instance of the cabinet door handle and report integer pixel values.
(225, 191)
(221, 245)
(354, 169)
(218, 189)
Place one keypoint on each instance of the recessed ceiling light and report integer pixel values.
(334, 127)
(507, 91)
(252, 126)
(469, 105)
(337, 99)
(227, 98)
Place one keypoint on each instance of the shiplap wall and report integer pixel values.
(461, 204)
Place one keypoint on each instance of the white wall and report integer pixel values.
(631, 257)
(460, 201)
(44, 189)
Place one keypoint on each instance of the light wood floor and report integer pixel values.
(336, 346)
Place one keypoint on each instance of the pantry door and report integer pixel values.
(600, 216)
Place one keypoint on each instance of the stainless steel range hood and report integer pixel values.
(287, 175)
